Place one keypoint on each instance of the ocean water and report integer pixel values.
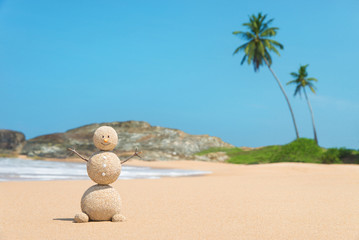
(14, 169)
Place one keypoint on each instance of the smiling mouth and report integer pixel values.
(105, 144)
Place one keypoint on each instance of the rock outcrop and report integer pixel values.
(11, 141)
(156, 143)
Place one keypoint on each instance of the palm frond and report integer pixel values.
(269, 32)
(243, 59)
(237, 32)
(268, 57)
(290, 82)
(240, 48)
(246, 50)
(244, 35)
(255, 27)
(297, 90)
(261, 48)
(309, 84)
(269, 21)
(261, 20)
(276, 43)
(269, 46)
(265, 25)
(312, 79)
(250, 53)
(312, 89)
(294, 74)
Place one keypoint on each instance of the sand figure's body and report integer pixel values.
(102, 202)
(104, 167)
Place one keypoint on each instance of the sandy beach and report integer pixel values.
(270, 201)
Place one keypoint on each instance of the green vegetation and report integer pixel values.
(259, 44)
(331, 156)
(340, 155)
(300, 150)
(262, 155)
(301, 81)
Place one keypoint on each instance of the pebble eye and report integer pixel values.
(103, 136)
(108, 136)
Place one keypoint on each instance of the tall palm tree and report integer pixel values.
(301, 81)
(257, 48)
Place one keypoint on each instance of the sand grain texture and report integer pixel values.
(273, 201)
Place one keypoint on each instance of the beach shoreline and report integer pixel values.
(268, 201)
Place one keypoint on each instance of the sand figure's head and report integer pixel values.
(105, 138)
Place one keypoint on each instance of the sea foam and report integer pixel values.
(14, 169)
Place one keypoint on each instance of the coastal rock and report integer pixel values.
(51, 145)
(156, 143)
(10, 141)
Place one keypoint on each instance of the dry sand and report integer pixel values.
(271, 201)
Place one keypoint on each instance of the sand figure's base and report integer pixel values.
(81, 218)
(100, 203)
(118, 218)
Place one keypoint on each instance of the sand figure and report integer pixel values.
(101, 202)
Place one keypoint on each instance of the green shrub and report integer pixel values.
(348, 155)
(261, 155)
(300, 150)
(345, 152)
(332, 155)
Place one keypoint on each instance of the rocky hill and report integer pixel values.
(156, 143)
(11, 141)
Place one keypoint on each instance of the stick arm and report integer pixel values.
(136, 154)
(78, 154)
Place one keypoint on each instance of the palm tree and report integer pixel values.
(257, 48)
(302, 81)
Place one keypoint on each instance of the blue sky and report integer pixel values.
(64, 64)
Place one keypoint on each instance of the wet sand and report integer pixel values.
(269, 201)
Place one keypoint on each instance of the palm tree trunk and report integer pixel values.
(286, 98)
(311, 112)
